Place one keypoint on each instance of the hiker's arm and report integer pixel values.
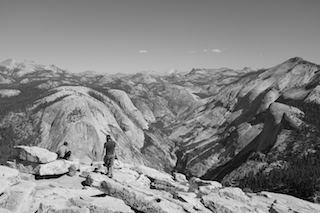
(104, 150)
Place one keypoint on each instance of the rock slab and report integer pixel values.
(35, 154)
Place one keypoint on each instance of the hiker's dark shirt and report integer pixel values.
(110, 146)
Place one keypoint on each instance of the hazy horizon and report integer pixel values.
(129, 36)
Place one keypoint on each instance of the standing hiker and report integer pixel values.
(64, 152)
(109, 155)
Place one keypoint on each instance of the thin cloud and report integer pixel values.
(216, 50)
(205, 50)
(143, 51)
(191, 51)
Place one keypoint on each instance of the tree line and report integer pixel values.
(301, 175)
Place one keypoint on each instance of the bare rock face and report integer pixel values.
(83, 117)
(9, 92)
(5, 80)
(64, 200)
(145, 110)
(143, 78)
(127, 106)
(83, 120)
(8, 177)
(218, 199)
(138, 199)
(245, 115)
(273, 120)
(314, 95)
(49, 85)
(18, 198)
(8, 173)
(197, 184)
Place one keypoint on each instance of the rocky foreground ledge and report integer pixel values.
(133, 189)
(38, 182)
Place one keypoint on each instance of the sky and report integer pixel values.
(128, 36)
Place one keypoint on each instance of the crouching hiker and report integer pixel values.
(64, 152)
(109, 155)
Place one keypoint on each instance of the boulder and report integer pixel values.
(101, 204)
(24, 166)
(140, 200)
(72, 170)
(160, 180)
(60, 204)
(180, 177)
(95, 179)
(152, 173)
(143, 181)
(205, 186)
(169, 186)
(57, 167)
(84, 174)
(282, 203)
(35, 154)
(234, 193)
(205, 190)
(27, 176)
(220, 204)
(144, 199)
(192, 199)
(124, 176)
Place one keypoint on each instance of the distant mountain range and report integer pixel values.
(224, 124)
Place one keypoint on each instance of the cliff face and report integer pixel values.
(83, 116)
(245, 113)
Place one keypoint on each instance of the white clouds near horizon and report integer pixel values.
(143, 51)
(216, 51)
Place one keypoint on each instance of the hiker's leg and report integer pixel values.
(111, 167)
(108, 165)
(105, 159)
(67, 155)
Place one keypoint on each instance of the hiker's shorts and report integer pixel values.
(109, 161)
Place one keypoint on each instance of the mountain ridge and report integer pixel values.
(206, 123)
